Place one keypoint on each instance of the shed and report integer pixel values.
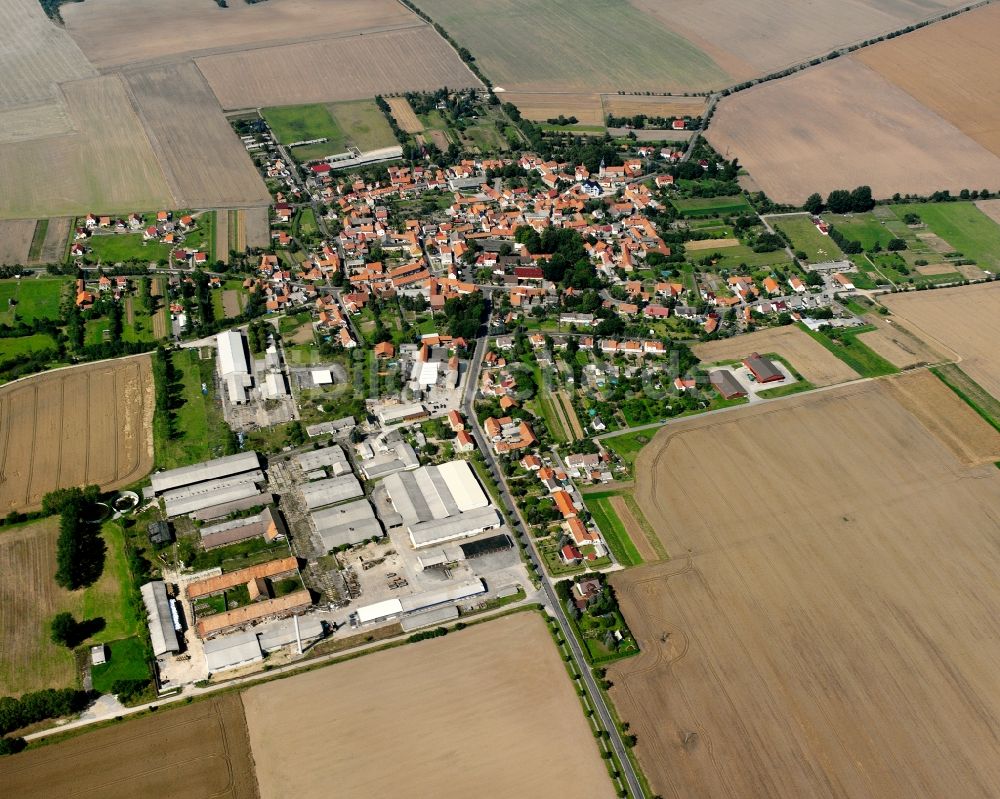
(159, 533)
(98, 655)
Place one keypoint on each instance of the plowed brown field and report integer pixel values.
(832, 607)
(950, 67)
(883, 137)
(963, 322)
(88, 424)
(196, 751)
(15, 240)
(488, 711)
(897, 344)
(334, 69)
(206, 164)
(116, 32)
(810, 359)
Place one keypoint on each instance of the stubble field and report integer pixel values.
(116, 32)
(15, 241)
(580, 46)
(488, 711)
(961, 322)
(631, 105)
(403, 113)
(88, 424)
(205, 163)
(539, 106)
(830, 627)
(950, 68)
(897, 344)
(106, 165)
(882, 137)
(196, 751)
(768, 35)
(809, 358)
(329, 70)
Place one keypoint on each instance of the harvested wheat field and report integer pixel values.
(991, 208)
(108, 165)
(15, 240)
(711, 244)
(768, 35)
(403, 113)
(222, 242)
(951, 68)
(35, 56)
(809, 358)
(630, 105)
(575, 46)
(830, 624)
(200, 750)
(487, 711)
(56, 238)
(116, 32)
(842, 124)
(205, 163)
(897, 344)
(334, 69)
(539, 106)
(961, 322)
(87, 424)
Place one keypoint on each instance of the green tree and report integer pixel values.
(63, 629)
(839, 201)
(813, 203)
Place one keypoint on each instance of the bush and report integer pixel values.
(127, 690)
(63, 629)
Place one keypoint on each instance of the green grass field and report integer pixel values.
(363, 124)
(38, 239)
(612, 528)
(13, 347)
(967, 229)
(126, 661)
(585, 45)
(742, 256)
(861, 227)
(303, 122)
(807, 238)
(35, 298)
(627, 445)
(706, 206)
(358, 123)
(116, 247)
(200, 430)
(860, 357)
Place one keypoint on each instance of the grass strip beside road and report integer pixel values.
(612, 528)
(860, 357)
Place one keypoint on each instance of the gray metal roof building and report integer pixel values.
(399, 458)
(330, 491)
(199, 501)
(232, 651)
(209, 470)
(726, 384)
(763, 368)
(336, 426)
(428, 617)
(463, 525)
(225, 508)
(350, 523)
(162, 634)
(331, 458)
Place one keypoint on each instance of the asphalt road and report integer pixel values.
(552, 600)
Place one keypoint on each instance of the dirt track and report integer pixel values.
(831, 608)
(488, 711)
(196, 751)
(89, 424)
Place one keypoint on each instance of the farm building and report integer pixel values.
(330, 428)
(243, 648)
(425, 600)
(763, 368)
(280, 607)
(204, 485)
(234, 365)
(441, 503)
(159, 533)
(398, 458)
(162, 631)
(350, 523)
(331, 458)
(396, 414)
(726, 384)
(330, 491)
(269, 524)
(223, 582)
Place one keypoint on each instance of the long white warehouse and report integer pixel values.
(234, 365)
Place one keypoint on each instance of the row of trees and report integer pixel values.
(79, 549)
(842, 201)
(30, 708)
